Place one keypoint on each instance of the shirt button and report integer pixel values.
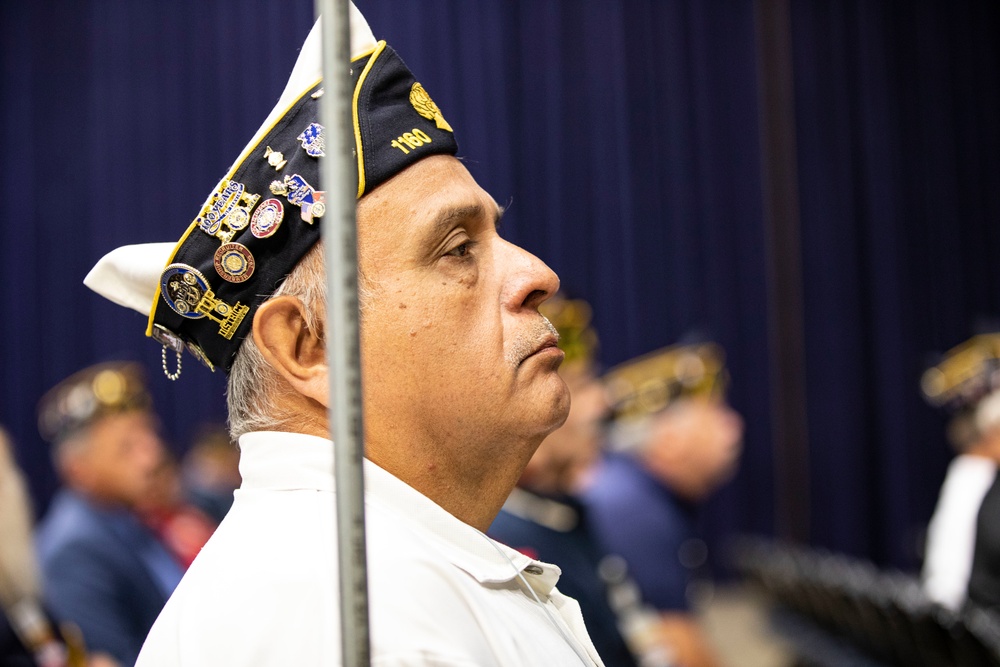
(533, 569)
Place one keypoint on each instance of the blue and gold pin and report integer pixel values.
(189, 294)
(299, 192)
(313, 140)
(234, 262)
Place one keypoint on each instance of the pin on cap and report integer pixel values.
(259, 221)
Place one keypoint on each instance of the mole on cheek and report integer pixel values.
(402, 306)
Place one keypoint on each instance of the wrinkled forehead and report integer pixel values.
(422, 203)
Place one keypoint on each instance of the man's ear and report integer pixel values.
(291, 347)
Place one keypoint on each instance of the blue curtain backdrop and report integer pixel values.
(623, 137)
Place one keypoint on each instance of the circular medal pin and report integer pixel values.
(234, 262)
(183, 287)
(237, 219)
(267, 218)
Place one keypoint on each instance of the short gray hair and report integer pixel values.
(253, 384)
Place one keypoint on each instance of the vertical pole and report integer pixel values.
(779, 169)
(338, 178)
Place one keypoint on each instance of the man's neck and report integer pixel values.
(472, 496)
(464, 486)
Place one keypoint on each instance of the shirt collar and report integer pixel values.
(277, 461)
(281, 461)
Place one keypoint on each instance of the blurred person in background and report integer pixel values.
(102, 568)
(210, 471)
(28, 636)
(675, 440)
(18, 570)
(182, 527)
(962, 551)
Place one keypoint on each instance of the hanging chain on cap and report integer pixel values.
(177, 373)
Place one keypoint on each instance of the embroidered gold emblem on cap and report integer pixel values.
(425, 106)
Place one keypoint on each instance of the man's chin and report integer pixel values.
(559, 402)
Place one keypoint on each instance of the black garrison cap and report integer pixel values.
(264, 216)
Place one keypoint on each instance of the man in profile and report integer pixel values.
(460, 386)
(543, 516)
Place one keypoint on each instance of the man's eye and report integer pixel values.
(461, 250)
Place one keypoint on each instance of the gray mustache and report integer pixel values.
(540, 330)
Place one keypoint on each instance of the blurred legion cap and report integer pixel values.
(965, 375)
(648, 384)
(571, 318)
(263, 216)
(86, 396)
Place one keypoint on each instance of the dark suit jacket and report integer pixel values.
(104, 571)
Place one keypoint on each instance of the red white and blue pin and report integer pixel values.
(299, 192)
(267, 218)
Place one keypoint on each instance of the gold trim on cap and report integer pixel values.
(376, 52)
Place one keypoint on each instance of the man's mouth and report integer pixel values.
(548, 346)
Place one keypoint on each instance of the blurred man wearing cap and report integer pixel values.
(460, 387)
(678, 441)
(102, 569)
(962, 554)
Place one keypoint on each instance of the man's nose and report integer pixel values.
(529, 280)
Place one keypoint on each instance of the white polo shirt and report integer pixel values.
(263, 591)
(951, 534)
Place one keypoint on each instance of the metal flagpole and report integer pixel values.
(338, 178)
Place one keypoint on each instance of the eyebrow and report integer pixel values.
(448, 218)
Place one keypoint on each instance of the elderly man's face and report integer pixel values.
(117, 459)
(454, 349)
